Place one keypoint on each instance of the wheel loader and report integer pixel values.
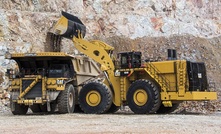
(145, 86)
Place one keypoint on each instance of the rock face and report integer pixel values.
(193, 27)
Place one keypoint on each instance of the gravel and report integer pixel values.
(121, 122)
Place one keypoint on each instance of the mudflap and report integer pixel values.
(12, 106)
(48, 106)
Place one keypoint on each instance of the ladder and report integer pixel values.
(160, 79)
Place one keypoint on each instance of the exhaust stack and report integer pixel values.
(172, 55)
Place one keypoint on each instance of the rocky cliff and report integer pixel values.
(193, 27)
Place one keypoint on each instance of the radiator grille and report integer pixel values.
(197, 76)
(36, 91)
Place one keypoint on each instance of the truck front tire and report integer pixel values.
(66, 100)
(18, 109)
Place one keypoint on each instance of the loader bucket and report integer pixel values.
(69, 26)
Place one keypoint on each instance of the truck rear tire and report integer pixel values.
(18, 109)
(143, 97)
(66, 100)
(95, 98)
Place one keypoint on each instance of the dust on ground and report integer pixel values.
(110, 123)
(120, 122)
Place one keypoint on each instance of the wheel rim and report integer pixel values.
(93, 98)
(140, 97)
(70, 100)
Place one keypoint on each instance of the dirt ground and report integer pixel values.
(120, 122)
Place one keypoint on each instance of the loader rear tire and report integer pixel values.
(95, 98)
(143, 97)
(167, 110)
(66, 100)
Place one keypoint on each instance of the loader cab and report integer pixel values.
(129, 59)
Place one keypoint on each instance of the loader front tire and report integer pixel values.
(66, 100)
(95, 98)
(143, 97)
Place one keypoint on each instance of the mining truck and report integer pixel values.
(145, 86)
(48, 81)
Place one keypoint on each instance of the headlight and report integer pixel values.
(13, 83)
(48, 82)
(17, 82)
(53, 82)
(60, 82)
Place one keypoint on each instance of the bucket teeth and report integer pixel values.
(71, 17)
(69, 26)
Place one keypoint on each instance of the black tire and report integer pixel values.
(167, 110)
(102, 95)
(66, 100)
(43, 108)
(78, 109)
(113, 108)
(35, 108)
(38, 108)
(18, 109)
(149, 92)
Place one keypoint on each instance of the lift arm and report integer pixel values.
(71, 27)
